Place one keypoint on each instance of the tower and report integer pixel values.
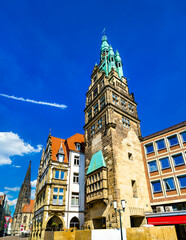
(23, 198)
(114, 167)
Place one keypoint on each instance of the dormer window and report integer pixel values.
(60, 155)
(78, 146)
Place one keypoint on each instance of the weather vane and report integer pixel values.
(104, 31)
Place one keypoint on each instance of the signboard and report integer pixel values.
(7, 218)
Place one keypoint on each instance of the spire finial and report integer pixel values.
(103, 33)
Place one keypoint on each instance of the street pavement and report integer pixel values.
(13, 238)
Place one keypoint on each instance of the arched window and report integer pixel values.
(74, 223)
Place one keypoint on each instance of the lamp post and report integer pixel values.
(119, 210)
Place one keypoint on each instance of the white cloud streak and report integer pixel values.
(61, 106)
(11, 145)
(12, 202)
(14, 189)
(16, 166)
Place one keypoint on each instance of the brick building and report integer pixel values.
(112, 147)
(164, 155)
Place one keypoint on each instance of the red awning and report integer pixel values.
(179, 219)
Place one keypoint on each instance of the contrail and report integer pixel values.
(62, 106)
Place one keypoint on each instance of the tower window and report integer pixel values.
(134, 189)
(131, 108)
(102, 102)
(115, 98)
(123, 104)
(100, 123)
(93, 129)
(78, 146)
(126, 122)
(96, 108)
(95, 92)
(90, 114)
(130, 156)
(102, 84)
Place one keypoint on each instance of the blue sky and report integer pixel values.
(47, 53)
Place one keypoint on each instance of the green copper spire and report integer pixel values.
(118, 64)
(97, 161)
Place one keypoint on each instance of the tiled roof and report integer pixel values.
(97, 161)
(76, 138)
(28, 208)
(56, 143)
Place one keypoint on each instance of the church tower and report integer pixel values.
(114, 167)
(23, 198)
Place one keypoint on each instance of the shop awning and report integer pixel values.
(179, 219)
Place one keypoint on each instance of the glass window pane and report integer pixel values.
(160, 144)
(182, 181)
(61, 190)
(149, 148)
(55, 190)
(156, 186)
(57, 174)
(165, 163)
(169, 184)
(62, 175)
(173, 140)
(152, 166)
(60, 200)
(54, 199)
(178, 159)
(183, 134)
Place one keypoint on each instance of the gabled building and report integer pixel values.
(59, 200)
(23, 199)
(114, 165)
(164, 155)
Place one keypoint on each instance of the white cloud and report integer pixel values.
(33, 183)
(12, 202)
(16, 166)
(14, 189)
(62, 106)
(1, 193)
(11, 144)
(33, 192)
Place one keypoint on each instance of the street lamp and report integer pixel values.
(114, 203)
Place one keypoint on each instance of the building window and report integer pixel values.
(98, 185)
(60, 202)
(182, 181)
(57, 174)
(134, 189)
(169, 184)
(96, 108)
(131, 110)
(102, 102)
(75, 199)
(115, 98)
(78, 146)
(100, 123)
(152, 166)
(102, 84)
(149, 148)
(178, 159)
(62, 175)
(76, 160)
(126, 122)
(55, 190)
(93, 129)
(54, 199)
(95, 92)
(123, 104)
(183, 135)
(160, 144)
(173, 140)
(165, 163)
(156, 186)
(90, 114)
(25, 218)
(61, 190)
(75, 177)
(130, 157)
